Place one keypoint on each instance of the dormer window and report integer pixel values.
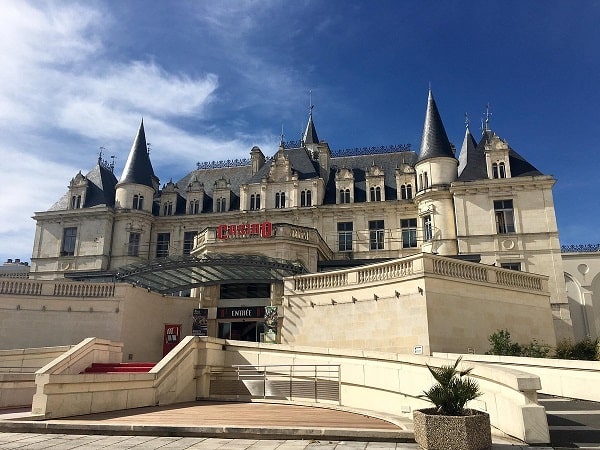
(280, 200)
(138, 201)
(406, 191)
(255, 202)
(306, 198)
(221, 205)
(375, 194)
(498, 170)
(168, 209)
(76, 202)
(194, 207)
(344, 195)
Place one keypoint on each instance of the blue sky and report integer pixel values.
(214, 78)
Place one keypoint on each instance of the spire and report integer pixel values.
(310, 135)
(468, 147)
(434, 142)
(138, 169)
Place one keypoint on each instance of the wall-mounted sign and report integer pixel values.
(418, 350)
(263, 230)
(244, 312)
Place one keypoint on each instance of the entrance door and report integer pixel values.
(241, 331)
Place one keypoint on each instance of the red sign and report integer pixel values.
(264, 230)
(172, 337)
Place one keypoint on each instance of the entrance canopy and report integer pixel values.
(175, 274)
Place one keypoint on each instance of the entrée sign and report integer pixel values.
(264, 230)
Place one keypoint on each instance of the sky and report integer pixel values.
(213, 78)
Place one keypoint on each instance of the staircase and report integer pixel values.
(132, 367)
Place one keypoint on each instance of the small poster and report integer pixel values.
(271, 317)
(200, 322)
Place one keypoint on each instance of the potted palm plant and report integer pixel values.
(449, 425)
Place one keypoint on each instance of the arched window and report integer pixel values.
(494, 170)
(425, 180)
(221, 205)
(375, 193)
(421, 182)
(306, 198)
(255, 201)
(409, 191)
(138, 201)
(280, 200)
(344, 195)
(168, 209)
(501, 170)
(195, 207)
(76, 202)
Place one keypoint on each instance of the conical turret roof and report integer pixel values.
(468, 147)
(310, 135)
(138, 169)
(434, 143)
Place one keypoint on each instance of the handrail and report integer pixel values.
(316, 382)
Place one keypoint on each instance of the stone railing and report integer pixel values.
(377, 272)
(321, 281)
(381, 272)
(421, 264)
(20, 287)
(514, 278)
(458, 269)
(84, 290)
(56, 288)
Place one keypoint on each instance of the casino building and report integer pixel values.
(226, 234)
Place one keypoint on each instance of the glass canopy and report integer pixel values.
(174, 274)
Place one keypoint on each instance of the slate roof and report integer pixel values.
(388, 162)
(300, 161)
(476, 169)
(138, 168)
(234, 175)
(435, 142)
(100, 190)
(310, 135)
(468, 146)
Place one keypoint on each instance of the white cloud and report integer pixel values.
(29, 184)
(64, 92)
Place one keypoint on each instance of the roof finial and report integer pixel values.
(467, 121)
(487, 117)
(100, 154)
(310, 103)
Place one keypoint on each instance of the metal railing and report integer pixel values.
(309, 382)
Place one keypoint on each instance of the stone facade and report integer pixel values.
(486, 204)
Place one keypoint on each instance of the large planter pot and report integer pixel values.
(437, 432)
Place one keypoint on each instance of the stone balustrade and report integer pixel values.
(57, 288)
(420, 265)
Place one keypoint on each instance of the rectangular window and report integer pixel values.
(344, 236)
(376, 232)
(162, 245)
(427, 228)
(133, 246)
(409, 233)
(188, 241)
(69, 239)
(505, 219)
(511, 266)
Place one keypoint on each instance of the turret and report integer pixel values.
(138, 184)
(436, 168)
